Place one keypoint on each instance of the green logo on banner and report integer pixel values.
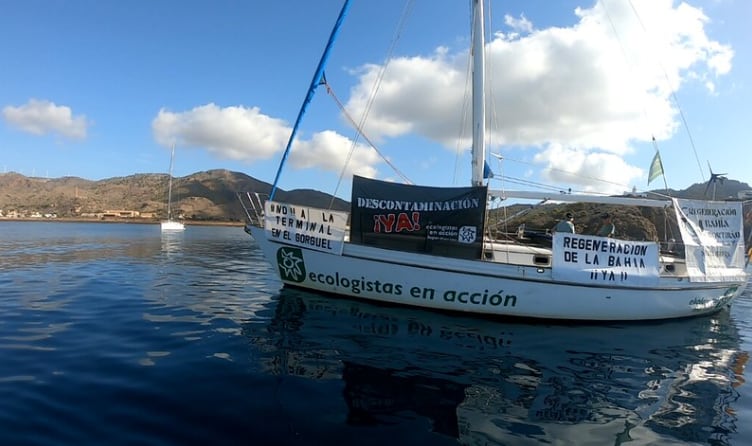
(291, 264)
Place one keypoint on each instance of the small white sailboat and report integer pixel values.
(171, 225)
(431, 247)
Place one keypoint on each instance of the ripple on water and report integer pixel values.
(113, 334)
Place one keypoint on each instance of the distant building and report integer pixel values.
(120, 213)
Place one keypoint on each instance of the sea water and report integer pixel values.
(118, 334)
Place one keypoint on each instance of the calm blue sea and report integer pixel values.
(115, 334)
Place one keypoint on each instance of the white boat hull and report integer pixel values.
(483, 287)
(172, 226)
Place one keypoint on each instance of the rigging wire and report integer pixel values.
(463, 123)
(630, 67)
(490, 76)
(375, 89)
(673, 93)
(464, 113)
(528, 183)
(315, 81)
(360, 131)
(573, 174)
(541, 185)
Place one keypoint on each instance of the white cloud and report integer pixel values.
(581, 97)
(328, 151)
(245, 134)
(416, 95)
(596, 88)
(592, 171)
(236, 133)
(522, 24)
(41, 117)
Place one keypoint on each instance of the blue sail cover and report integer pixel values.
(315, 82)
(446, 221)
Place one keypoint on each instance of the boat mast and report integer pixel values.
(169, 185)
(479, 102)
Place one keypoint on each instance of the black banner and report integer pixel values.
(446, 221)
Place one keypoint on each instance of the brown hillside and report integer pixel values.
(212, 196)
(202, 196)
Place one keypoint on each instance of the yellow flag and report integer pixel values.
(656, 167)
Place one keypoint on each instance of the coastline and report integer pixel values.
(119, 220)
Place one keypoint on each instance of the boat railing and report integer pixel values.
(253, 205)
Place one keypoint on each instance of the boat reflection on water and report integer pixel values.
(484, 381)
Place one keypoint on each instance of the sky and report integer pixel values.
(581, 92)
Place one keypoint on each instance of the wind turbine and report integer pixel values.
(714, 178)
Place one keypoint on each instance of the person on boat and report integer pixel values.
(565, 225)
(607, 228)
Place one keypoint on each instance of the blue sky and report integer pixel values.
(100, 89)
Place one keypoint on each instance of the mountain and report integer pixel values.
(632, 223)
(725, 189)
(202, 196)
(212, 196)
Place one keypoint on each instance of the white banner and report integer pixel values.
(306, 227)
(604, 261)
(713, 238)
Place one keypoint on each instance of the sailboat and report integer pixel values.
(171, 225)
(432, 247)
